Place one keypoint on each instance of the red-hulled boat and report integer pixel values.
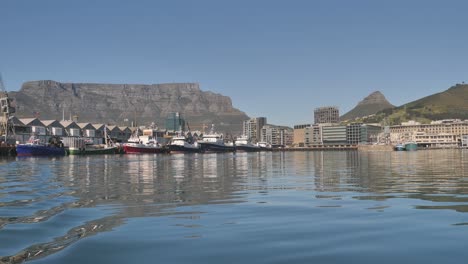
(143, 144)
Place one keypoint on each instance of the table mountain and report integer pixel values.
(115, 103)
(370, 105)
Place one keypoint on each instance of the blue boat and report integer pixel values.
(35, 147)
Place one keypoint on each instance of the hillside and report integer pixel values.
(452, 103)
(370, 105)
(123, 103)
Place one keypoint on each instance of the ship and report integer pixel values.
(143, 144)
(243, 144)
(411, 146)
(181, 144)
(214, 142)
(35, 147)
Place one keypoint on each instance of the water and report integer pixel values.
(295, 207)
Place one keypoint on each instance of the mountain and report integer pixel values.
(449, 104)
(370, 105)
(121, 104)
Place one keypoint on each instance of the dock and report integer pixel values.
(7, 150)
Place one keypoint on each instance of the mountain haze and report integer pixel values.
(370, 105)
(121, 104)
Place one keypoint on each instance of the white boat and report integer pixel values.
(264, 146)
(214, 142)
(180, 144)
(243, 144)
(143, 144)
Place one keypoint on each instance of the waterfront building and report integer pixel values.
(313, 135)
(36, 126)
(99, 130)
(175, 122)
(277, 136)
(115, 133)
(359, 133)
(441, 133)
(299, 135)
(334, 135)
(53, 127)
(71, 128)
(327, 114)
(87, 130)
(126, 133)
(252, 128)
(353, 133)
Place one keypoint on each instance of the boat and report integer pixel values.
(399, 147)
(35, 147)
(143, 144)
(264, 146)
(83, 146)
(411, 146)
(243, 144)
(214, 142)
(181, 144)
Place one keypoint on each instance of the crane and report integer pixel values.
(6, 109)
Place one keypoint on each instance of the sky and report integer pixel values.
(278, 59)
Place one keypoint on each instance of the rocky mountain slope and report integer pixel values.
(116, 103)
(370, 105)
(452, 103)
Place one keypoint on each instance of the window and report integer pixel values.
(57, 131)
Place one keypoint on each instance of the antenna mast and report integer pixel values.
(6, 109)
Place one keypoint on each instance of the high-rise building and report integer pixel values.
(299, 135)
(175, 122)
(327, 114)
(253, 128)
(277, 135)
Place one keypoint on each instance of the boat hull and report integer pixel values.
(143, 150)
(181, 149)
(215, 148)
(91, 151)
(241, 148)
(38, 150)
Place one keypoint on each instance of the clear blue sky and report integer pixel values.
(278, 59)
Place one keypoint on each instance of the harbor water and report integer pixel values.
(269, 207)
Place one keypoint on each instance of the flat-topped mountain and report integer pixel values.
(116, 103)
(370, 105)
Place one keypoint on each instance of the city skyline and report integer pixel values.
(263, 54)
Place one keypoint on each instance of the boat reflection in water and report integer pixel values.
(149, 201)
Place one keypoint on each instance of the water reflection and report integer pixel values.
(112, 189)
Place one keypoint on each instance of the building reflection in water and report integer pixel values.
(154, 185)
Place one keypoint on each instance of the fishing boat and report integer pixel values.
(143, 144)
(411, 146)
(35, 147)
(83, 146)
(243, 144)
(214, 142)
(181, 144)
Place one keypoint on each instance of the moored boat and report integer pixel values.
(399, 147)
(180, 144)
(264, 146)
(143, 144)
(214, 142)
(35, 147)
(243, 144)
